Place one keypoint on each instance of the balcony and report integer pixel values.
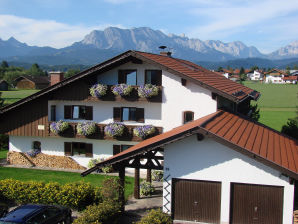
(132, 97)
(128, 135)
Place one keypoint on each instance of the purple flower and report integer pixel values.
(143, 131)
(86, 128)
(122, 89)
(147, 90)
(114, 129)
(58, 127)
(98, 90)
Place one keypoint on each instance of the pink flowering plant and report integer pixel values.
(98, 90)
(114, 129)
(122, 89)
(86, 128)
(147, 90)
(143, 131)
(59, 127)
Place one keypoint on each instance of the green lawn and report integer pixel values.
(277, 103)
(15, 95)
(3, 153)
(58, 176)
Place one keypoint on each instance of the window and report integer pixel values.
(153, 77)
(53, 112)
(128, 114)
(183, 82)
(127, 76)
(119, 148)
(78, 112)
(78, 149)
(188, 116)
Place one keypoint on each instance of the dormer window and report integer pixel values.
(188, 116)
(153, 77)
(128, 77)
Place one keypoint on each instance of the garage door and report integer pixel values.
(196, 200)
(256, 204)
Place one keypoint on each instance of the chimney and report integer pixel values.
(166, 53)
(56, 77)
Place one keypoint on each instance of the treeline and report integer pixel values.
(11, 72)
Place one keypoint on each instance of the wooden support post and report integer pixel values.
(137, 184)
(122, 187)
(149, 177)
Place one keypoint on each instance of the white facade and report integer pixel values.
(255, 76)
(274, 79)
(211, 161)
(55, 146)
(168, 114)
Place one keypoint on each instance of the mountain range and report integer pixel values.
(99, 45)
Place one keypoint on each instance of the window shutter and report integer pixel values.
(89, 113)
(67, 148)
(117, 113)
(121, 77)
(140, 115)
(159, 75)
(67, 112)
(116, 149)
(89, 150)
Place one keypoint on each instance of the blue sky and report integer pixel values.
(266, 24)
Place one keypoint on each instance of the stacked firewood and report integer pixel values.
(296, 217)
(43, 160)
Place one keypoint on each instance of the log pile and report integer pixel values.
(296, 217)
(43, 160)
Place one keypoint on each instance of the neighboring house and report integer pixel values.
(31, 82)
(275, 76)
(186, 92)
(3, 85)
(224, 74)
(293, 72)
(290, 79)
(255, 76)
(222, 168)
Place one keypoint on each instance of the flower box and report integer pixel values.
(148, 90)
(86, 128)
(115, 129)
(98, 90)
(144, 131)
(59, 127)
(122, 89)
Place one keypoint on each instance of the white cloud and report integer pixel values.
(44, 32)
(227, 19)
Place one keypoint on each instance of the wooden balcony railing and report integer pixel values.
(132, 97)
(128, 135)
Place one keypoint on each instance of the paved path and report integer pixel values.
(135, 209)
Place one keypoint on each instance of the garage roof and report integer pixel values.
(239, 133)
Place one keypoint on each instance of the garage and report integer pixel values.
(197, 201)
(256, 204)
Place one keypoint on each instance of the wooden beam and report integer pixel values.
(149, 177)
(122, 187)
(137, 184)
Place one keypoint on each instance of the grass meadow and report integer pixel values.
(15, 95)
(277, 103)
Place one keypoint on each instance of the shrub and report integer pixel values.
(156, 217)
(110, 188)
(157, 175)
(3, 141)
(98, 90)
(59, 127)
(122, 89)
(143, 131)
(147, 90)
(107, 212)
(146, 188)
(93, 162)
(74, 195)
(86, 128)
(114, 129)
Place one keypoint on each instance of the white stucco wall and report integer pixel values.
(55, 146)
(169, 114)
(211, 161)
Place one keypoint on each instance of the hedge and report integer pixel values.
(107, 212)
(156, 217)
(74, 195)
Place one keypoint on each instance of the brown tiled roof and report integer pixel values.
(292, 78)
(251, 138)
(204, 76)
